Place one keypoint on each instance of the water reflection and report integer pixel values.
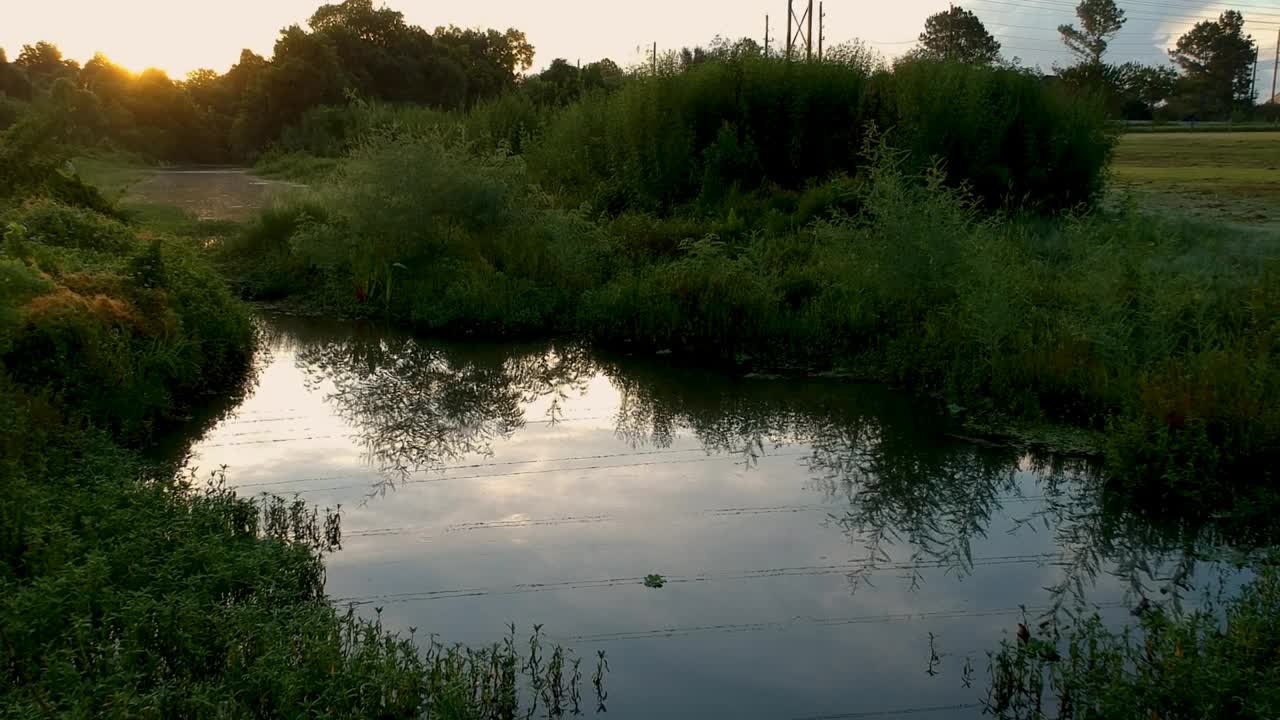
(416, 408)
(542, 483)
(902, 480)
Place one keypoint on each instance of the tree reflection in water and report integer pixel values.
(907, 485)
(416, 407)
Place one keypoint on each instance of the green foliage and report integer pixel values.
(1217, 58)
(125, 587)
(53, 223)
(1100, 20)
(1001, 132)
(350, 50)
(11, 110)
(127, 334)
(659, 144)
(957, 35)
(1211, 662)
(1161, 332)
(446, 239)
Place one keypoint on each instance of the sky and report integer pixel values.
(182, 35)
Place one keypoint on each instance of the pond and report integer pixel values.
(825, 549)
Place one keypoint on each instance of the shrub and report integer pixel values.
(57, 224)
(662, 142)
(1211, 662)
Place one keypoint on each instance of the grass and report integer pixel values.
(295, 167)
(1232, 176)
(1218, 661)
(112, 174)
(130, 589)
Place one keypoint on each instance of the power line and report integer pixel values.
(1197, 5)
(1053, 5)
(1164, 6)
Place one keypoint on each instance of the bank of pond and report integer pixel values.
(663, 475)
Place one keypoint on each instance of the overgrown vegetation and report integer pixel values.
(653, 219)
(1216, 661)
(129, 589)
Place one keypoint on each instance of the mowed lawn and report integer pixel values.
(1223, 175)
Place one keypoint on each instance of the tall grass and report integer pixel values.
(661, 143)
(1217, 661)
(132, 590)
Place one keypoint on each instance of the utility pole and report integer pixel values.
(951, 31)
(822, 27)
(808, 41)
(655, 58)
(1275, 67)
(766, 36)
(1253, 81)
(791, 13)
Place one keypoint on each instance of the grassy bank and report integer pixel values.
(129, 590)
(1233, 176)
(1161, 332)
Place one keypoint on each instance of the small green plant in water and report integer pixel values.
(654, 581)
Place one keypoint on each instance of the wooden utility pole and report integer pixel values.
(655, 58)
(791, 13)
(822, 27)
(766, 36)
(951, 31)
(1253, 80)
(1275, 68)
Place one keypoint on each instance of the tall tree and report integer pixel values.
(491, 60)
(602, 75)
(1100, 20)
(13, 81)
(43, 64)
(1217, 59)
(957, 35)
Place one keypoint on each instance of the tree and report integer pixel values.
(379, 26)
(1216, 60)
(43, 64)
(1143, 87)
(13, 80)
(1100, 20)
(489, 59)
(104, 78)
(602, 75)
(561, 83)
(957, 35)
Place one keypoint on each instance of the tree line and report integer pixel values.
(354, 50)
(349, 49)
(1209, 76)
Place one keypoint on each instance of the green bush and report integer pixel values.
(127, 342)
(129, 589)
(660, 143)
(54, 223)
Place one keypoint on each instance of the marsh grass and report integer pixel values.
(1215, 661)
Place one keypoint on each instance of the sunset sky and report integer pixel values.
(182, 35)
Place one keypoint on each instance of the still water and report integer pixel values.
(829, 550)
